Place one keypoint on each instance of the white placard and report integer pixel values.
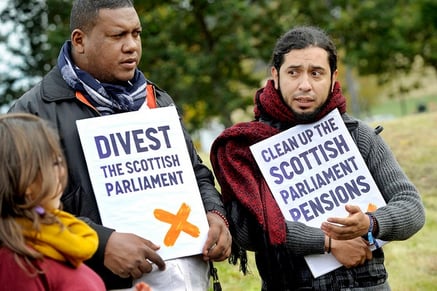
(313, 171)
(143, 178)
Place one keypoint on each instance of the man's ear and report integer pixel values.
(77, 40)
(334, 79)
(275, 77)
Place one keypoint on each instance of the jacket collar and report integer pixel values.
(54, 88)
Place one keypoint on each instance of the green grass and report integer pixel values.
(399, 107)
(411, 264)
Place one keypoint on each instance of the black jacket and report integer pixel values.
(53, 100)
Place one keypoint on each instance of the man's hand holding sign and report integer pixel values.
(343, 228)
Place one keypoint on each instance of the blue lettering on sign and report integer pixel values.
(137, 140)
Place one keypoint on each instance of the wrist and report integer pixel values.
(372, 230)
(328, 244)
(221, 215)
(375, 229)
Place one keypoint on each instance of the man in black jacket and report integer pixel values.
(97, 75)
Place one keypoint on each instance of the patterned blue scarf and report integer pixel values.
(106, 98)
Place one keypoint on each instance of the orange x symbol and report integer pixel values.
(371, 207)
(178, 223)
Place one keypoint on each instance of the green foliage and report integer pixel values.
(197, 51)
(23, 34)
(386, 40)
(35, 36)
(211, 55)
(383, 37)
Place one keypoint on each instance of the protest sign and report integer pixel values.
(313, 171)
(143, 178)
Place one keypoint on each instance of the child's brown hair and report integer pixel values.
(30, 151)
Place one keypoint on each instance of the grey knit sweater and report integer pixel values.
(402, 217)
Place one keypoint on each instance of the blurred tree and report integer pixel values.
(24, 40)
(206, 53)
(34, 38)
(387, 39)
(210, 55)
(382, 37)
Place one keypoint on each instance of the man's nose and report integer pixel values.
(305, 83)
(131, 43)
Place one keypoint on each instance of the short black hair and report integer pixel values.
(84, 12)
(303, 37)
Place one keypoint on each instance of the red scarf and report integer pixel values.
(235, 168)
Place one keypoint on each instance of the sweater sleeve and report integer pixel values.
(404, 214)
(301, 240)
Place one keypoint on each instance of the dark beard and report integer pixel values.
(310, 116)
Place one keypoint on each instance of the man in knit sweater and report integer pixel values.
(303, 89)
